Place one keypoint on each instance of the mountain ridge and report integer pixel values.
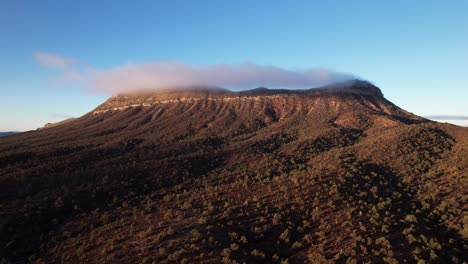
(370, 94)
(349, 87)
(354, 85)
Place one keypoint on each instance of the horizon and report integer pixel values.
(61, 60)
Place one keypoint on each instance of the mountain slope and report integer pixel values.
(337, 173)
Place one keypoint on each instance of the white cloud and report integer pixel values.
(54, 60)
(159, 75)
(456, 120)
(174, 74)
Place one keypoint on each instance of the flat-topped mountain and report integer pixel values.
(352, 103)
(207, 175)
(354, 87)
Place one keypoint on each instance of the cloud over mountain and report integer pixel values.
(169, 74)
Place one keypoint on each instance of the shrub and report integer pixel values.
(234, 247)
(258, 253)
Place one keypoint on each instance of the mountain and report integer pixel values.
(335, 174)
(9, 133)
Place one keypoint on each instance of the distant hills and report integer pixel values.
(4, 134)
(337, 174)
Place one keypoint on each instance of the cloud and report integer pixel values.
(54, 60)
(69, 67)
(447, 117)
(171, 74)
(452, 119)
(174, 74)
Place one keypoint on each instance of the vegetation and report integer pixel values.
(285, 179)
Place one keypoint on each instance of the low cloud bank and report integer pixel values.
(174, 74)
(160, 75)
(456, 120)
(447, 117)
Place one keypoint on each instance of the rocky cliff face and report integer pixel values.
(145, 99)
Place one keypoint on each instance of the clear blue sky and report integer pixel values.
(415, 51)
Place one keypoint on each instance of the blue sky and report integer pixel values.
(415, 51)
